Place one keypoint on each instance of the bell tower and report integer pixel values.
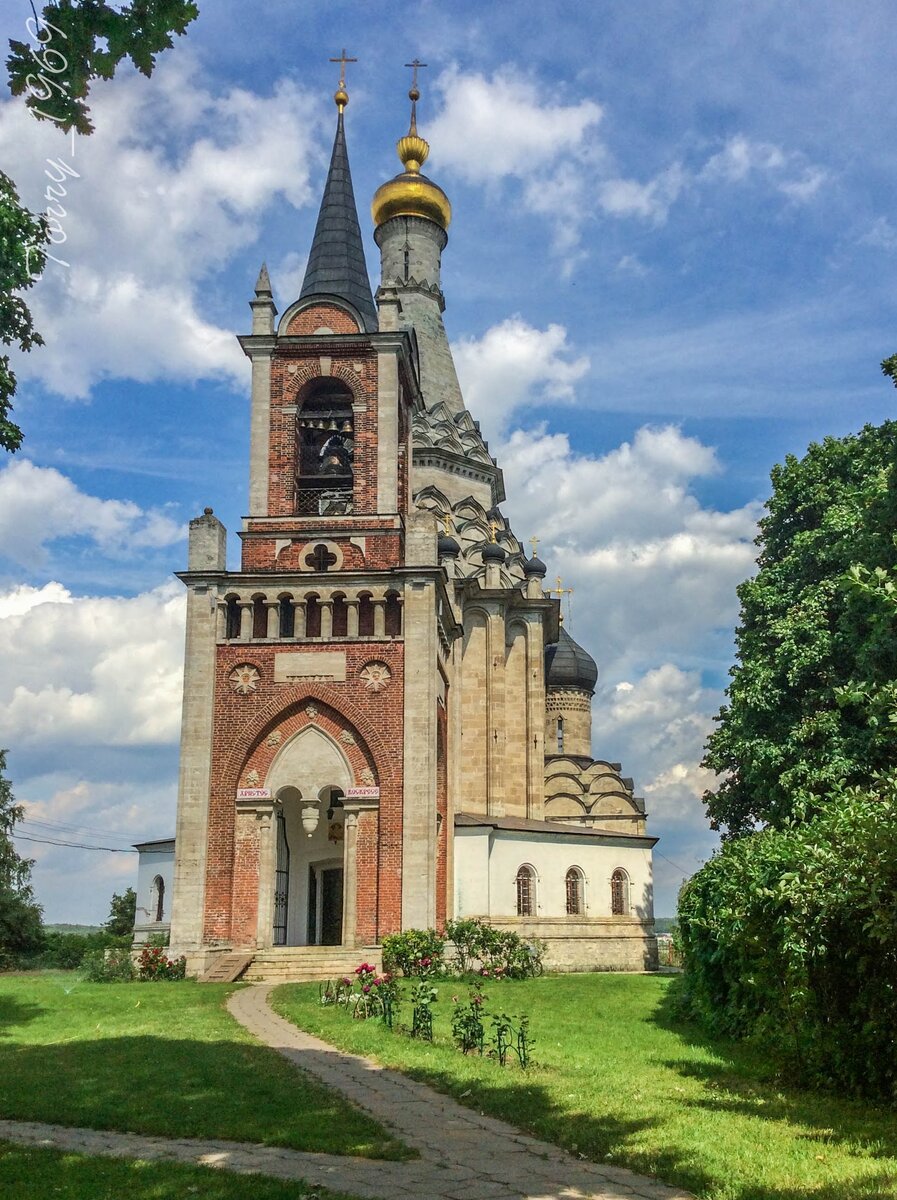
(302, 719)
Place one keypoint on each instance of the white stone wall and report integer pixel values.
(486, 864)
(150, 864)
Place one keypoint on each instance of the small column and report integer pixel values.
(264, 815)
(350, 877)
(273, 607)
(221, 621)
(379, 617)
(245, 620)
(351, 618)
(326, 619)
(298, 618)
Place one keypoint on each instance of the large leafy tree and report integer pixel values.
(816, 665)
(74, 43)
(21, 931)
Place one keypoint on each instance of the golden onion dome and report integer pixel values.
(411, 194)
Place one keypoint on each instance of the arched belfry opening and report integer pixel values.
(325, 448)
(309, 781)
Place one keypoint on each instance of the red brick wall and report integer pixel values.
(242, 727)
(317, 316)
(291, 370)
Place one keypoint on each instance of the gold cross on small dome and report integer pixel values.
(534, 542)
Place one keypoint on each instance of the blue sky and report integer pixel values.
(671, 263)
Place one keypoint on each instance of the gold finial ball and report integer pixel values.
(414, 95)
(341, 96)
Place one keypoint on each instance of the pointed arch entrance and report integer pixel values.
(307, 884)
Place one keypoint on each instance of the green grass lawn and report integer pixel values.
(56, 1175)
(161, 1058)
(619, 1080)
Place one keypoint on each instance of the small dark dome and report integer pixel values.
(447, 547)
(567, 665)
(534, 566)
(492, 552)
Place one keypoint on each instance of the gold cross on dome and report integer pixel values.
(534, 542)
(560, 591)
(342, 60)
(447, 524)
(415, 65)
(493, 526)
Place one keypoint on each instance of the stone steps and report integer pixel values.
(307, 964)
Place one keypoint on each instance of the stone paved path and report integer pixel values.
(463, 1156)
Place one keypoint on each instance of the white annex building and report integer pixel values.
(385, 722)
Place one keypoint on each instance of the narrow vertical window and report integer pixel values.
(526, 892)
(560, 735)
(158, 902)
(287, 617)
(232, 629)
(575, 898)
(407, 264)
(619, 893)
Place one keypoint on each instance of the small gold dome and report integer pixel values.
(341, 97)
(411, 194)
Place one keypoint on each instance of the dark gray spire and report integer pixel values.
(336, 265)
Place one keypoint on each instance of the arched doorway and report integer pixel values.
(308, 781)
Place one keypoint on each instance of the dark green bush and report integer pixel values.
(790, 937)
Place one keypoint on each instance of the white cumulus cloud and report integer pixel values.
(39, 505)
(175, 180)
(514, 364)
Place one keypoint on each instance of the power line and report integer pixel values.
(74, 845)
(26, 820)
(673, 864)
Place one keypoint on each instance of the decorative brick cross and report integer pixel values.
(320, 559)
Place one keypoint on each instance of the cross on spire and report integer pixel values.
(534, 542)
(342, 60)
(341, 96)
(414, 92)
(560, 591)
(415, 66)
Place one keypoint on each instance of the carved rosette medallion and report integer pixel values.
(311, 711)
(366, 775)
(347, 738)
(375, 676)
(244, 679)
(274, 739)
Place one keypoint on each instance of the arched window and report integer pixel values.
(526, 891)
(340, 613)
(560, 735)
(313, 615)
(232, 620)
(575, 892)
(365, 615)
(157, 902)
(259, 618)
(619, 893)
(287, 617)
(325, 446)
(393, 622)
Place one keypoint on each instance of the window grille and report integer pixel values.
(526, 892)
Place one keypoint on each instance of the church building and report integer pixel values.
(385, 722)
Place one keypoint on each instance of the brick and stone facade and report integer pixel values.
(370, 738)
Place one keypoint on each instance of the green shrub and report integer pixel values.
(153, 964)
(417, 952)
(108, 966)
(493, 953)
(790, 937)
